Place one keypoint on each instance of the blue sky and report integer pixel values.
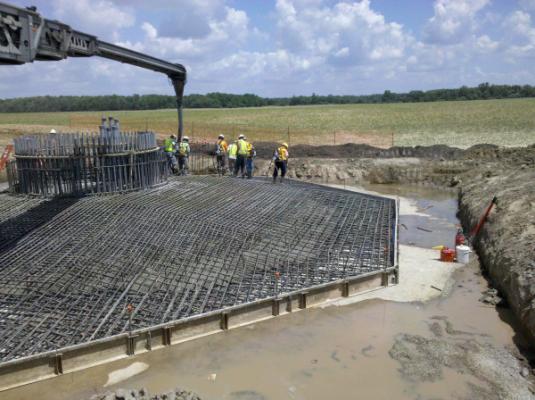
(290, 47)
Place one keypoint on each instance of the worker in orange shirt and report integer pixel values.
(221, 154)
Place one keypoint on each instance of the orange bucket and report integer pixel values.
(447, 255)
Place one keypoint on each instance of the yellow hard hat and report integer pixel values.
(285, 144)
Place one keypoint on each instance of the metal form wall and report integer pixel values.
(192, 247)
(79, 163)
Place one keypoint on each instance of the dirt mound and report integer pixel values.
(352, 150)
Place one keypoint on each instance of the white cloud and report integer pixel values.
(100, 17)
(486, 45)
(520, 34)
(278, 64)
(519, 22)
(346, 33)
(453, 20)
(225, 34)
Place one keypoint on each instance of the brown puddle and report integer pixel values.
(452, 348)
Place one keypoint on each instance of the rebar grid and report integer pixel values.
(196, 245)
(79, 163)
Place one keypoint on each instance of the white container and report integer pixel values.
(463, 254)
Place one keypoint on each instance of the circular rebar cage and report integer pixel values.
(80, 163)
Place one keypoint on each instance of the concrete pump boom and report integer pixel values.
(25, 37)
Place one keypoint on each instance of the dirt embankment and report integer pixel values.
(506, 244)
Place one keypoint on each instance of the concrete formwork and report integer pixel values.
(294, 246)
(47, 365)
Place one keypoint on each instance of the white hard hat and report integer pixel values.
(53, 131)
(241, 137)
(221, 136)
(185, 138)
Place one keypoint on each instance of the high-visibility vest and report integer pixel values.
(282, 153)
(169, 145)
(232, 150)
(183, 149)
(222, 147)
(250, 150)
(242, 147)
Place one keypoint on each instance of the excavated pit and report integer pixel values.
(199, 244)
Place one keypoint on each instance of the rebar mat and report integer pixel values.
(196, 245)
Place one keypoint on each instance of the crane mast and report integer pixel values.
(25, 37)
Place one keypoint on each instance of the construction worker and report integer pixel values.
(242, 155)
(281, 161)
(232, 154)
(169, 147)
(183, 155)
(249, 162)
(221, 154)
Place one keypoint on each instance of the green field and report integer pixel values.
(457, 123)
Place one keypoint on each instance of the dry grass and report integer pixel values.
(503, 122)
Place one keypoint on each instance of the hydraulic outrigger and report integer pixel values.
(25, 36)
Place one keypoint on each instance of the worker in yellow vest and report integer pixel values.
(221, 154)
(241, 156)
(232, 154)
(281, 162)
(169, 147)
(249, 162)
(183, 156)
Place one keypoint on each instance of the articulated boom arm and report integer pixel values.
(26, 37)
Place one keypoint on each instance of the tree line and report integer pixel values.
(483, 91)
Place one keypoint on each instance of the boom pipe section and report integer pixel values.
(118, 53)
(196, 245)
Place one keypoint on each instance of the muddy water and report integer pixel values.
(431, 218)
(332, 352)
